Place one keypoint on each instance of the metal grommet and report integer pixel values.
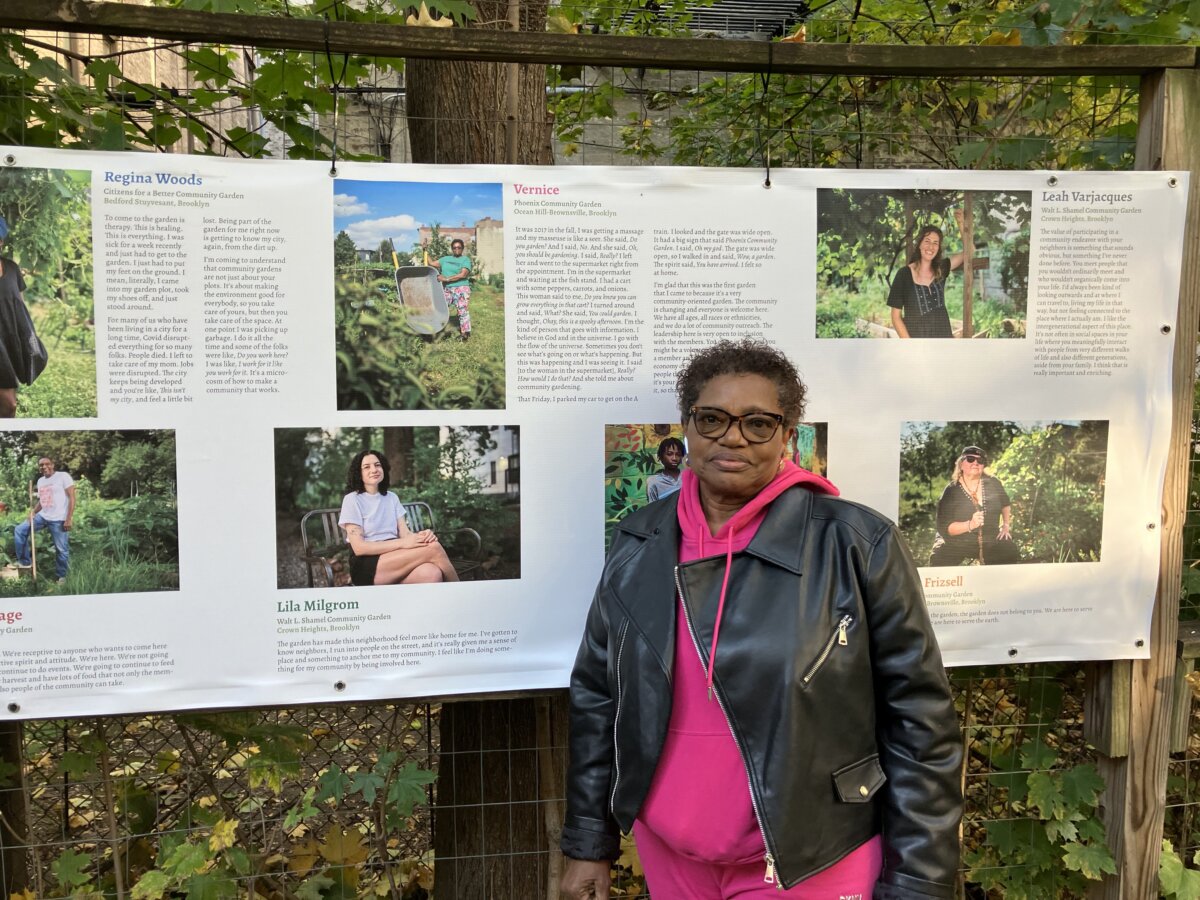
(1012, 651)
(1166, 329)
(1150, 526)
(1052, 180)
(14, 707)
(10, 160)
(1172, 181)
(1139, 643)
(767, 184)
(339, 685)
(333, 171)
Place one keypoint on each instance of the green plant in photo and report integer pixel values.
(381, 364)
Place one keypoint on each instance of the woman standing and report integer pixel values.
(455, 275)
(22, 356)
(918, 295)
(972, 505)
(382, 548)
(758, 694)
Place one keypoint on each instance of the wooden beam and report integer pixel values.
(1135, 799)
(123, 19)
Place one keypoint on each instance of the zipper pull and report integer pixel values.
(769, 877)
(842, 626)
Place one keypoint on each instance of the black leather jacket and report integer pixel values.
(828, 673)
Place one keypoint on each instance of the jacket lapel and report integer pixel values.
(644, 583)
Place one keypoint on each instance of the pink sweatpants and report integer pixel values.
(670, 876)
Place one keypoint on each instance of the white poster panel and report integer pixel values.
(259, 323)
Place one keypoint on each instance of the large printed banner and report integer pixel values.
(223, 339)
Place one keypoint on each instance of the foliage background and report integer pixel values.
(49, 216)
(864, 237)
(1052, 471)
(126, 532)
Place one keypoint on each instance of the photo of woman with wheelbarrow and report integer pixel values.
(409, 259)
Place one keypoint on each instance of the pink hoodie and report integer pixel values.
(699, 801)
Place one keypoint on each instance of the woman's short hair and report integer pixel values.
(354, 481)
(667, 444)
(457, 242)
(744, 357)
(941, 265)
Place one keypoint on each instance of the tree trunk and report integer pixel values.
(398, 448)
(458, 112)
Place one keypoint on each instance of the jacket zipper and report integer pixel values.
(612, 800)
(770, 876)
(837, 639)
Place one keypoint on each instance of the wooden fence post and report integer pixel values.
(1135, 800)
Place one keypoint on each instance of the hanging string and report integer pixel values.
(337, 84)
(765, 79)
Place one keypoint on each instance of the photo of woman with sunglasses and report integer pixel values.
(974, 517)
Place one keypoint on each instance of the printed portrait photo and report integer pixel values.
(922, 263)
(419, 294)
(88, 512)
(47, 319)
(999, 493)
(644, 463)
(378, 506)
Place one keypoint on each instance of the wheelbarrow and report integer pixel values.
(422, 298)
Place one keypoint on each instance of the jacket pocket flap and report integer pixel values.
(858, 782)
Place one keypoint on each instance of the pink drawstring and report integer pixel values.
(712, 656)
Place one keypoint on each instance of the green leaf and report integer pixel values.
(152, 885)
(239, 860)
(1038, 756)
(332, 784)
(211, 886)
(1175, 879)
(303, 809)
(313, 888)
(1045, 795)
(186, 859)
(1082, 786)
(68, 869)
(101, 70)
(368, 783)
(407, 789)
(1092, 860)
(77, 766)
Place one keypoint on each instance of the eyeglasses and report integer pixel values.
(756, 428)
(974, 459)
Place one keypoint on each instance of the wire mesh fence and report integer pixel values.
(332, 801)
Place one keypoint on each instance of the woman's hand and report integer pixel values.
(1005, 532)
(976, 521)
(585, 879)
(441, 278)
(412, 540)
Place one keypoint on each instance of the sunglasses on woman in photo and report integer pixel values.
(972, 458)
(713, 422)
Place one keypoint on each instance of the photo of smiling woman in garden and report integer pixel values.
(922, 263)
(1001, 492)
